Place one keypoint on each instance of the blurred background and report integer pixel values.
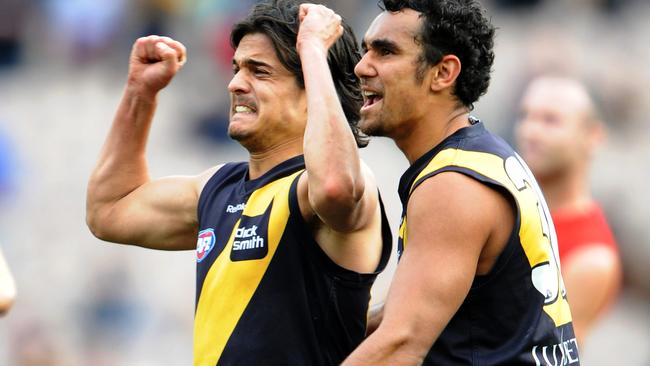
(63, 65)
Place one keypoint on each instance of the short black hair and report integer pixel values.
(278, 19)
(456, 27)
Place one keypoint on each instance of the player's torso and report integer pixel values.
(263, 296)
(517, 313)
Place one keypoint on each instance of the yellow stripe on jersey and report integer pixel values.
(229, 286)
(536, 232)
(402, 232)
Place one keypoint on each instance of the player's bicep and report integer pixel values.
(446, 234)
(160, 214)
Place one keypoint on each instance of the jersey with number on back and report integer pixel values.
(266, 292)
(517, 314)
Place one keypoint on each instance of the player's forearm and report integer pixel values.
(331, 154)
(127, 139)
(386, 348)
(122, 165)
(401, 338)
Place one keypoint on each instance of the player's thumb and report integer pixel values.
(167, 55)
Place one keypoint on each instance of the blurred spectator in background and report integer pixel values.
(33, 345)
(156, 15)
(606, 6)
(558, 134)
(112, 315)
(12, 19)
(89, 26)
(7, 286)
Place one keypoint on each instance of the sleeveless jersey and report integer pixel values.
(266, 292)
(576, 230)
(518, 313)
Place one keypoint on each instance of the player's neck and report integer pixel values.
(567, 192)
(425, 134)
(262, 160)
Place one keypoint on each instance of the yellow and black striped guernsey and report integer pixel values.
(266, 292)
(518, 313)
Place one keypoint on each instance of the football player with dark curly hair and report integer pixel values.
(478, 281)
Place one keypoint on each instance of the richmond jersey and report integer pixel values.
(518, 313)
(266, 292)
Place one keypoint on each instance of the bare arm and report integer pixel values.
(447, 233)
(592, 277)
(337, 194)
(7, 286)
(335, 178)
(124, 204)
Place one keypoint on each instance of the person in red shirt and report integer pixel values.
(557, 135)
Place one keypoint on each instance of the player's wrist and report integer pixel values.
(141, 92)
(311, 46)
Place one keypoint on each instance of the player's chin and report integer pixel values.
(236, 131)
(370, 125)
(240, 124)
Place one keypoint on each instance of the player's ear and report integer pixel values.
(596, 136)
(445, 73)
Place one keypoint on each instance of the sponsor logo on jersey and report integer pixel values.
(236, 208)
(565, 353)
(247, 238)
(205, 244)
(251, 238)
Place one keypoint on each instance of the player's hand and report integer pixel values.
(154, 62)
(319, 26)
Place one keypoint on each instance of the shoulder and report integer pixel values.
(202, 179)
(456, 199)
(484, 157)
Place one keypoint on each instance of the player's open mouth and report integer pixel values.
(244, 109)
(371, 98)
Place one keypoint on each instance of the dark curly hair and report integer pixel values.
(278, 19)
(456, 27)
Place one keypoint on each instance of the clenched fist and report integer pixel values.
(154, 62)
(319, 26)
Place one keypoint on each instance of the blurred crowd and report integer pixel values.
(63, 65)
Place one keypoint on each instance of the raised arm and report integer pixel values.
(123, 204)
(337, 183)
